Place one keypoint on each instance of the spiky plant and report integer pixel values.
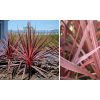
(80, 49)
(8, 51)
(32, 48)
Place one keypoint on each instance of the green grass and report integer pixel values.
(54, 37)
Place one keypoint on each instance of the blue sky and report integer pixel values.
(39, 24)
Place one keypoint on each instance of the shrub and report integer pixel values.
(80, 50)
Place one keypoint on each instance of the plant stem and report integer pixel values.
(29, 73)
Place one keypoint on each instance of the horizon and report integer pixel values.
(38, 24)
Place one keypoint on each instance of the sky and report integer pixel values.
(39, 24)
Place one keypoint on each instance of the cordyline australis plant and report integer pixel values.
(8, 51)
(32, 48)
(80, 49)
